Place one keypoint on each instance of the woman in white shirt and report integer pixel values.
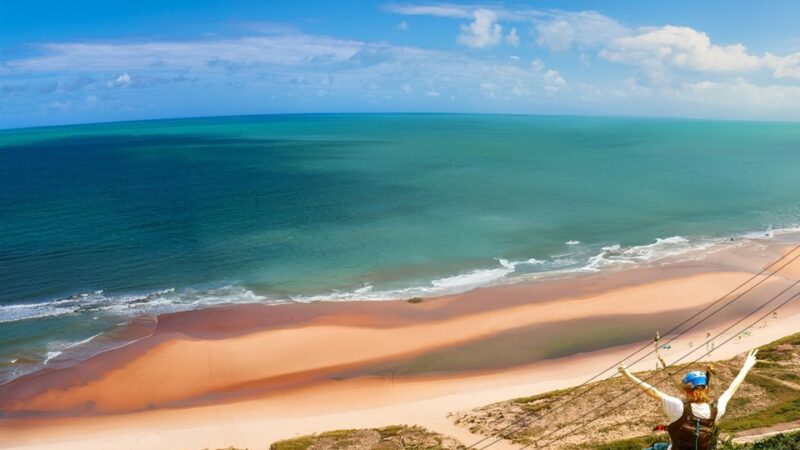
(693, 420)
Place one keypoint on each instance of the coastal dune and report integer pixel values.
(273, 372)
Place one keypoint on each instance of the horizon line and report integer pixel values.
(388, 113)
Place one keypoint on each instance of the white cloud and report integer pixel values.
(560, 30)
(520, 90)
(402, 26)
(57, 104)
(783, 66)
(656, 51)
(430, 10)
(482, 32)
(553, 81)
(283, 50)
(308, 67)
(268, 27)
(512, 38)
(680, 47)
(735, 98)
(295, 69)
(123, 80)
(466, 11)
(556, 35)
(742, 98)
(557, 30)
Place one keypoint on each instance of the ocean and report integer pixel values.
(101, 224)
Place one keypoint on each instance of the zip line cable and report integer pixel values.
(669, 341)
(657, 374)
(796, 295)
(636, 392)
(706, 308)
(522, 420)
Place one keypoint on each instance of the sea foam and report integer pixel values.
(577, 258)
(129, 305)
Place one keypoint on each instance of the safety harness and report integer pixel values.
(691, 432)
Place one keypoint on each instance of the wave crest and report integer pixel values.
(157, 302)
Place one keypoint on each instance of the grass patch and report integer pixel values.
(783, 412)
(393, 430)
(783, 441)
(542, 396)
(637, 443)
(386, 438)
(788, 376)
(304, 442)
(793, 339)
(771, 386)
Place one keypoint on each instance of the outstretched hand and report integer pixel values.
(750, 360)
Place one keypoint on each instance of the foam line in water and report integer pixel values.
(577, 258)
(129, 305)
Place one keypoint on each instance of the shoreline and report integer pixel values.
(596, 262)
(290, 365)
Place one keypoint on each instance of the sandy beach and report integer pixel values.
(248, 375)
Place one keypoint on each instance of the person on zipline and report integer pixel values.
(693, 421)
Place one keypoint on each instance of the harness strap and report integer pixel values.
(697, 434)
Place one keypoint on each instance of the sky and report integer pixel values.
(87, 61)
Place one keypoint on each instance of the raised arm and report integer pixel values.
(749, 362)
(647, 388)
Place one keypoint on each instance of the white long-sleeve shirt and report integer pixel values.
(673, 407)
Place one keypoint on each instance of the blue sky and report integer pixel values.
(92, 61)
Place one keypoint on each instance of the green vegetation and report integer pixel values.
(782, 412)
(783, 441)
(774, 364)
(387, 438)
(637, 443)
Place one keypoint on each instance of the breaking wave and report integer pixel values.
(576, 258)
(129, 305)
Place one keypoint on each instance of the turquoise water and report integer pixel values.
(102, 223)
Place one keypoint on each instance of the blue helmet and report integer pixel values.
(696, 379)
